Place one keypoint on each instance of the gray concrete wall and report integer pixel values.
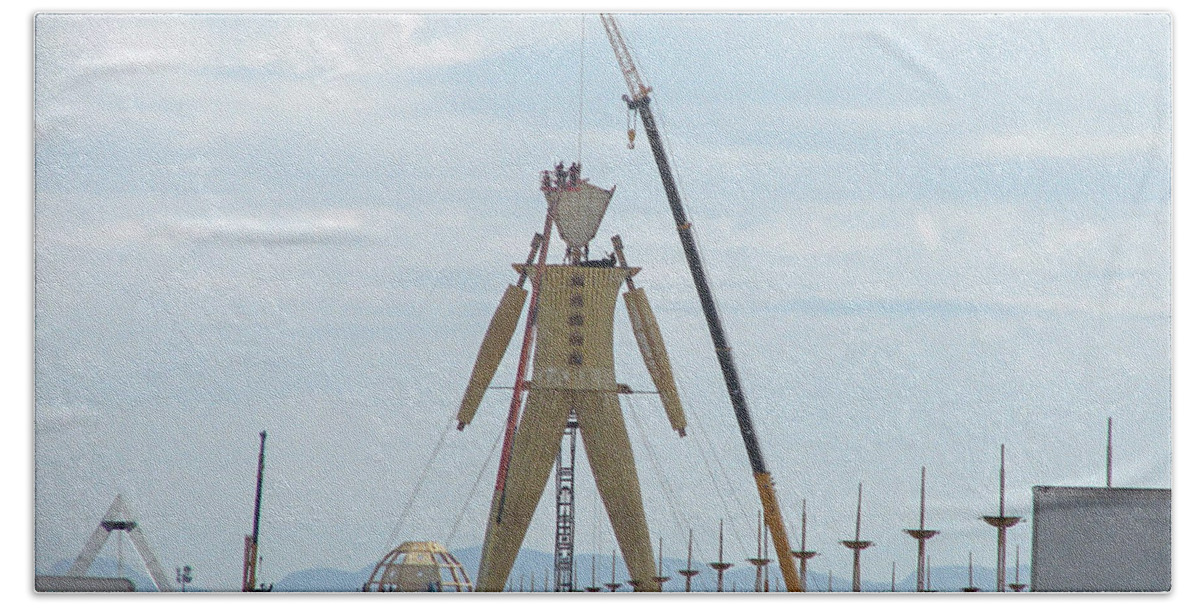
(1101, 539)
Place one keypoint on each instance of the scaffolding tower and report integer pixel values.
(564, 537)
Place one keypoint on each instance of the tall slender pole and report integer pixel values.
(804, 554)
(1108, 459)
(922, 497)
(690, 572)
(857, 545)
(1002, 480)
(758, 570)
(660, 556)
(858, 514)
(720, 565)
(593, 588)
(1001, 561)
(970, 588)
(921, 542)
(760, 562)
(660, 578)
(1002, 523)
(514, 406)
(857, 582)
(922, 534)
(803, 524)
(612, 584)
(1018, 586)
(928, 573)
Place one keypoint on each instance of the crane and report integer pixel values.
(250, 555)
(638, 101)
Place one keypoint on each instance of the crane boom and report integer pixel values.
(637, 90)
(250, 556)
(639, 101)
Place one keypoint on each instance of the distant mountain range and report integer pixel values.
(534, 569)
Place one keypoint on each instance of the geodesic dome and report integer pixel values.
(419, 566)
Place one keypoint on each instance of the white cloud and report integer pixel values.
(927, 228)
(1051, 144)
(299, 45)
(53, 417)
(997, 257)
(303, 227)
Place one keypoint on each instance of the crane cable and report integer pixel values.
(662, 479)
(417, 488)
(483, 468)
(668, 489)
(582, 37)
(704, 450)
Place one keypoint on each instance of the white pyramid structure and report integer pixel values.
(119, 518)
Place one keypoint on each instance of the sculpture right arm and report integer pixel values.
(499, 333)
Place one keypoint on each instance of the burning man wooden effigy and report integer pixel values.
(572, 307)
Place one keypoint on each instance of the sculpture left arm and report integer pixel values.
(499, 333)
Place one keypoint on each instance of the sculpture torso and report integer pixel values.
(575, 327)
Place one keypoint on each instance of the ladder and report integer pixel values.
(564, 528)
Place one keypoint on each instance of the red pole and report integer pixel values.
(514, 407)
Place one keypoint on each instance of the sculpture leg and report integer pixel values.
(535, 445)
(611, 456)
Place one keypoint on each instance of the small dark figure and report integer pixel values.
(605, 262)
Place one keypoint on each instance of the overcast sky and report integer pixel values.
(929, 235)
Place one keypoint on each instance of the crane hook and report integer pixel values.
(631, 125)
